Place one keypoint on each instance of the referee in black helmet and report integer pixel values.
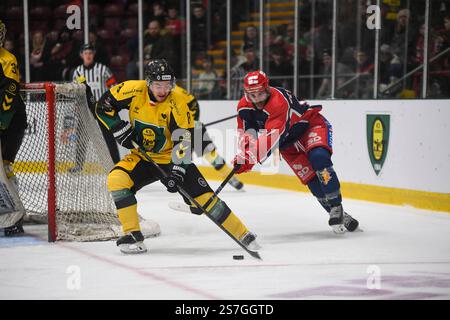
(98, 79)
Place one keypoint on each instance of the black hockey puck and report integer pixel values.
(238, 257)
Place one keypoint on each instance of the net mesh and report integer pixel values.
(85, 210)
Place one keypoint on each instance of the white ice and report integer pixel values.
(403, 253)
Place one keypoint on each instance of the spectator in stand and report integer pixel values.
(400, 39)
(199, 29)
(207, 81)
(364, 70)
(444, 62)
(174, 25)
(434, 45)
(251, 38)
(239, 71)
(219, 29)
(325, 71)
(345, 73)
(101, 55)
(320, 35)
(63, 57)
(272, 39)
(280, 70)
(289, 41)
(308, 66)
(38, 56)
(446, 31)
(159, 45)
(390, 70)
(159, 13)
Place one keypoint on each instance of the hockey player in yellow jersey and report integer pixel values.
(208, 148)
(162, 124)
(13, 119)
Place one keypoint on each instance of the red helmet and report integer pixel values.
(255, 81)
(256, 87)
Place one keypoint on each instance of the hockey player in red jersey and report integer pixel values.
(271, 117)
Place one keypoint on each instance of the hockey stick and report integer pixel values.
(220, 120)
(186, 208)
(234, 116)
(254, 254)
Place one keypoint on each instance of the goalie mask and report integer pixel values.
(256, 87)
(2, 33)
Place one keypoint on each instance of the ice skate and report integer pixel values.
(249, 241)
(336, 220)
(350, 223)
(132, 243)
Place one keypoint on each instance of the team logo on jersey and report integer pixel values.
(148, 138)
(152, 138)
(202, 182)
(378, 126)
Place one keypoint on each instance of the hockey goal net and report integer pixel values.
(62, 166)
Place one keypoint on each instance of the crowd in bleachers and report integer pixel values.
(113, 26)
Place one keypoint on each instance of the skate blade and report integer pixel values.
(339, 228)
(254, 246)
(178, 206)
(135, 248)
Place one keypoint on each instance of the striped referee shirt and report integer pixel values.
(99, 77)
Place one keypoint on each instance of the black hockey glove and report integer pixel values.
(124, 134)
(174, 179)
(294, 134)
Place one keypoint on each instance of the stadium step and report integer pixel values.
(217, 53)
(268, 23)
(234, 43)
(282, 5)
(275, 14)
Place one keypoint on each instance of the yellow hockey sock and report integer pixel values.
(129, 219)
(222, 214)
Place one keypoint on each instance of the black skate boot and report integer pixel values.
(336, 220)
(249, 241)
(132, 243)
(350, 223)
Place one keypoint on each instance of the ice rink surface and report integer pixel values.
(403, 253)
